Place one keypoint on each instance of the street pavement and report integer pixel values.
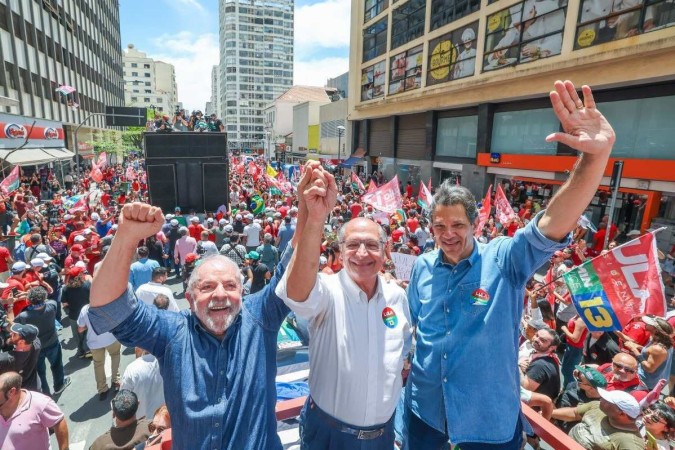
(88, 417)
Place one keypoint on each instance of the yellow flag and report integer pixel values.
(271, 172)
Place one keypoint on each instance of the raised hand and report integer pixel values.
(138, 221)
(586, 129)
(320, 195)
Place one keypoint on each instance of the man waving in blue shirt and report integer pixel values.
(466, 298)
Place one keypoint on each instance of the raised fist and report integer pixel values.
(139, 220)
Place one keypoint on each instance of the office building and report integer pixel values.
(256, 65)
(148, 83)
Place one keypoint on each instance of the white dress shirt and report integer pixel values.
(94, 341)
(355, 359)
(143, 378)
(148, 291)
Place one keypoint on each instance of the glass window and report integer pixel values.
(134, 65)
(373, 8)
(644, 127)
(524, 132)
(456, 136)
(134, 74)
(445, 11)
(372, 81)
(407, 22)
(452, 56)
(606, 22)
(406, 71)
(524, 32)
(375, 40)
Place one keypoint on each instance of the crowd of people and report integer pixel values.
(181, 120)
(418, 362)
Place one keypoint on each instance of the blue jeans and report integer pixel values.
(571, 358)
(319, 431)
(423, 437)
(53, 355)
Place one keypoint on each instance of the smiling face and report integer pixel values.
(453, 232)
(215, 296)
(362, 251)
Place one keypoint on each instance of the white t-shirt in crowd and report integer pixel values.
(252, 232)
(209, 247)
(143, 378)
(148, 291)
(94, 341)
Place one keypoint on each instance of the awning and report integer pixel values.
(350, 161)
(33, 156)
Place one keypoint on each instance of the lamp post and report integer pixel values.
(340, 130)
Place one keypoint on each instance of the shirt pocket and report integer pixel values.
(473, 300)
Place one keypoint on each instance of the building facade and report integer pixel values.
(214, 106)
(256, 65)
(459, 89)
(46, 45)
(148, 83)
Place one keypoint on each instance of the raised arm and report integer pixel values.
(136, 222)
(320, 199)
(587, 131)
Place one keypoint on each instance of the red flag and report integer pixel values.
(12, 182)
(611, 289)
(371, 186)
(424, 197)
(102, 161)
(386, 198)
(484, 213)
(80, 205)
(503, 209)
(357, 185)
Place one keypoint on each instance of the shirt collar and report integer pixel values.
(472, 259)
(352, 289)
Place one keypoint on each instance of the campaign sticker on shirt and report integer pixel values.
(389, 317)
(480, 297)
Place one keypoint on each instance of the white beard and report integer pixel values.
(216, 325)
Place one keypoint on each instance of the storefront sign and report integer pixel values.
(495, 158)
(42, 133)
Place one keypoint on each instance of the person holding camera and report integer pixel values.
(179, 121)
(162, 125)
(215, 124)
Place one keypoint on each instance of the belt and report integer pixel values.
(336, 424)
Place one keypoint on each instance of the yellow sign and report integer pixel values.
(596, 313)
(443, 56)
(586, 37)
(494, 22)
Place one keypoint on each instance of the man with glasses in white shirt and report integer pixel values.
(359, 328)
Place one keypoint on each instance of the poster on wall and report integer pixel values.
(406, 71)
(372, 81)
(453, 55)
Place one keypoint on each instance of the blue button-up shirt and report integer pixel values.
(464, 370)
(220, 394)
(141, 272)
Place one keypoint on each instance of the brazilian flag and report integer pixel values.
(257, 205)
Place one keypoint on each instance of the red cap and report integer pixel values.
(76, 248)
(75, 271)
(191, 257)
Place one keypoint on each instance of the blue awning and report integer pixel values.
(350, 161)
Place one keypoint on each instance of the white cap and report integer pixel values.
(468, 35)
(249, 216)
(270, 220)
(173, 223)
(114, 227)
(323, 260)
(194, 219)
(237, 217)
(86, 231)
(229, 229)
(37, 262)
(169, 216)
(79, 238)
(81, 264)
(626, 402)
(210, 220)
(632, 233)
(222, 222)
(44, 256)
(293, 210)
(67, 217)
(95, 216)
(279, 203)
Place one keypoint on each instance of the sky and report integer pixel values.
(185, 33)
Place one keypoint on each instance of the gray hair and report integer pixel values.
(195, 276)
(449, 194)
(161, 302)
(267, 238)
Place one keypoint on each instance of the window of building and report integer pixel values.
(148, 91)
(146, 66)
(372, 81)
(644, 127)
(445, 11)
(9, 75)
(160, 100)
(147, 74)
(453, 55)
(147, 83)
(405, 71)
(375, 40)
(146, 100)
(619, 20)
(456, 136)
(16, 22)
(134, 99)
(407, 22)
(134, 65)
(136, 91)
(509, 42)
(3, 16)
(524, 131)
(134, 74)
(373, 8)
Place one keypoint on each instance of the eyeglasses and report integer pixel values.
(154, 428)
(655, 417)
(624, 368)
(372, 245)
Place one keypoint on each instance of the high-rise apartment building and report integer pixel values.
(213, 104)
(47, 44)
(148, 83)
(256, 65)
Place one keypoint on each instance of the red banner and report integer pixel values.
(371, 186)
(484, 213)
(424, 197)
(386, 198)
(611, 289)
(503, 210)
(12, 182)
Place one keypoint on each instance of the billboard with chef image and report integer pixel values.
(524, 32)
(453, 55)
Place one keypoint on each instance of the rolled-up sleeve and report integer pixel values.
(317, 302)
(107, 317)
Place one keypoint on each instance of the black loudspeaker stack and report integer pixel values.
(189, 170)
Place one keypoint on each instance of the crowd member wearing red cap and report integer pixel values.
(76, 255)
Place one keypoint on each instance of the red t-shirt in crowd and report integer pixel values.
(4, 254)
(19, 305)
(413, 224)
(356, 209)
(105, 199)
(513, 227)
(396, 235)
(409, 190)
(196, 231)
(637, 331)
(283, 210)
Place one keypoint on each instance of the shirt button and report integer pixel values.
(445, 380)
(445, 356)
(447, 333)
(219, 399)
(447, 310)
(222, 372)
(216, 424)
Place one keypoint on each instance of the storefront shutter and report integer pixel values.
(411, 139)
(380, 141)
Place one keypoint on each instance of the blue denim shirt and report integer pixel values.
(221, 395)
(464, 369)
